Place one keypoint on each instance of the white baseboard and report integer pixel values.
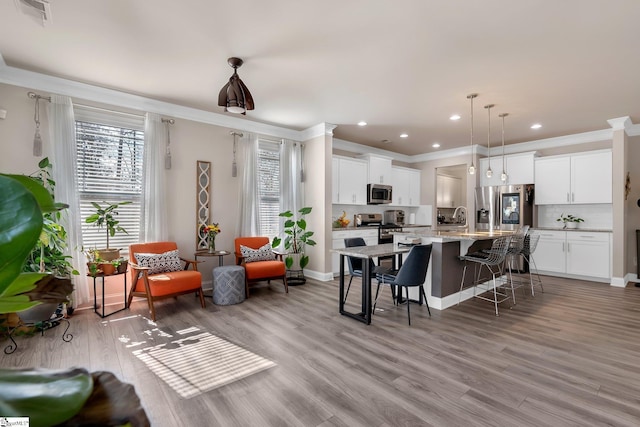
(323, 277)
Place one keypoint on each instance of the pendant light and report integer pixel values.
(503, 175)
(235, 96)
(489, 171)
(472, 168)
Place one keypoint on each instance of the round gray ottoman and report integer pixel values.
(228, 285)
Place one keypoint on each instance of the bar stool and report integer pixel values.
(514, 251)
(493, 260)
(529, 247)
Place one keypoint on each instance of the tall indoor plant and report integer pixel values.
(297, 238)
(47, 397)
(107, 217)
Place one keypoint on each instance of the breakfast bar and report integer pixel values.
(442, 284)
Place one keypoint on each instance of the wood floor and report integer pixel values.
(568, 357)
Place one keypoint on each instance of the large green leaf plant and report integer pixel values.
(23, 200)
(297, 236)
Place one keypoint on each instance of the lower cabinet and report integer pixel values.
(576, 253)
(370, 238)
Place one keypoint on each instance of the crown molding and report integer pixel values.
(624, 123)
(321, 129)
(356, 148)
(50, 84)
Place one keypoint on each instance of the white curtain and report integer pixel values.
(249, 219)
(291, 197)
(65, 174)
(153, 219)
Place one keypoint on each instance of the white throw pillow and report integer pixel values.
(263, 253)
(159, 263)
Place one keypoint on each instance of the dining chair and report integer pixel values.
(355, 267)
(529, 247)
(412, 273)
(493, 260)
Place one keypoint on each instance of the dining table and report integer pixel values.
(366, 253)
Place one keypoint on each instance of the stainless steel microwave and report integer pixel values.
(378, 194)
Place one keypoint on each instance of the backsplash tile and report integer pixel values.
(596, 216)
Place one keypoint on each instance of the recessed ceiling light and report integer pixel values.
(404, 135)
(455, 117)
(435, 145)
(536, 126)
(362, 123)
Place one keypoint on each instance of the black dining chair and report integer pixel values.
(412, 273)
(355, 266)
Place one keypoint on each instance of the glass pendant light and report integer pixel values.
(503, 176)
(472, 168)
(489, 107)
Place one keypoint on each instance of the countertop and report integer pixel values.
(597, 230)
(351, 228)
(454, 235)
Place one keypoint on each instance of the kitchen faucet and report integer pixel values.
(457, 217)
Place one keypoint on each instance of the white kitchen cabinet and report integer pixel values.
(588, 254)
(591, 178)
(350, 179)
(496, 167)
(370, 237)
(519, 168)
(406, 186)
(379, 171)
(574, 253)
(448, 191)
(549, 255)
(579, 178)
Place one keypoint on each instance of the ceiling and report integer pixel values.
(402, 66)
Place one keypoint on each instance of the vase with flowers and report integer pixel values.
(211, 231)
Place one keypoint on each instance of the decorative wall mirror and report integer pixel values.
(203, 201)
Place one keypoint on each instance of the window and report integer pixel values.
(110, 152)
(269, 188)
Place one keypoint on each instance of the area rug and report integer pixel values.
(197, 361)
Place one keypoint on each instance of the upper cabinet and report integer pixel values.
(578, 178)
(519, 168)
(349, 181)
(448, 191)
(405, 184)
(379, 171)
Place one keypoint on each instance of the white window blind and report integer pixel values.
(269, 188)
(110, 152)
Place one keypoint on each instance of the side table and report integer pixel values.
(206, 253)
(95, 302)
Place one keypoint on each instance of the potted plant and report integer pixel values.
(106, 217)
(569, 221)
(22, 203)
(297, 238)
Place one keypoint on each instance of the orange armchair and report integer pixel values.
(259, 270)
(153, 285)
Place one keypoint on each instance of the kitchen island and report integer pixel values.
(442, 285)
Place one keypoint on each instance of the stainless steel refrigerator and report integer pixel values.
(506, 207)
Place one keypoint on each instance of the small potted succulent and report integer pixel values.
(569, 221)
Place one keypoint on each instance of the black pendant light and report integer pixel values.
(235, 96)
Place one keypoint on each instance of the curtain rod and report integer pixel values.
(34, 95)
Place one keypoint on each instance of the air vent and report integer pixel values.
(38, 8)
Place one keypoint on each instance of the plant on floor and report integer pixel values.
(47, 397)
(297, 237)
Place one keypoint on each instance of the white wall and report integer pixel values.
(190, 141)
